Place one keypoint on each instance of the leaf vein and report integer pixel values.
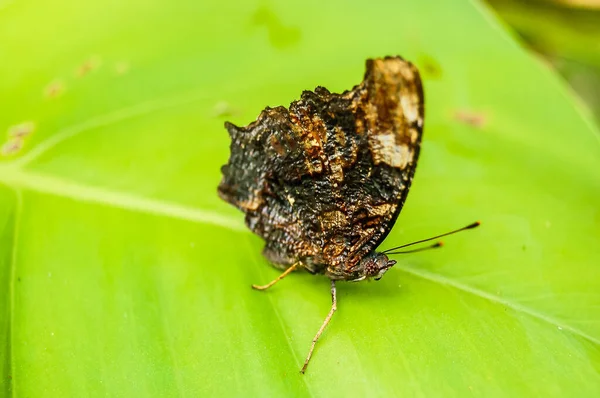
(137, 110)
(442, 280)
(55, 186)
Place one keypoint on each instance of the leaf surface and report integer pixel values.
(125, 275)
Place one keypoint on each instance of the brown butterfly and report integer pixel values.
(324, 181)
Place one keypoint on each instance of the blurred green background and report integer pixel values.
(566, 34)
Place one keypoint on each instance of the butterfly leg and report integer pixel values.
(325, 323)
(280, 277)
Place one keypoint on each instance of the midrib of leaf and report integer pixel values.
(37, 182)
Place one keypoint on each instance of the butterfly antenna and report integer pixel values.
(391, 251)
(420, 249)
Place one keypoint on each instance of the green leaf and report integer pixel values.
(125, 275)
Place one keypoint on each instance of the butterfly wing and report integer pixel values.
(324, 181)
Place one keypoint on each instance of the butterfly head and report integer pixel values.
(374, 266)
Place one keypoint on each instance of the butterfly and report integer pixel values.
(323, 181)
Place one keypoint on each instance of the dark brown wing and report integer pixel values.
(324, 181)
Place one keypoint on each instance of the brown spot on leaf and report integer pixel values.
(21, 130)
(12, 147)
(430, 68)
(475, 119)
(89, 65)
(55, 89)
